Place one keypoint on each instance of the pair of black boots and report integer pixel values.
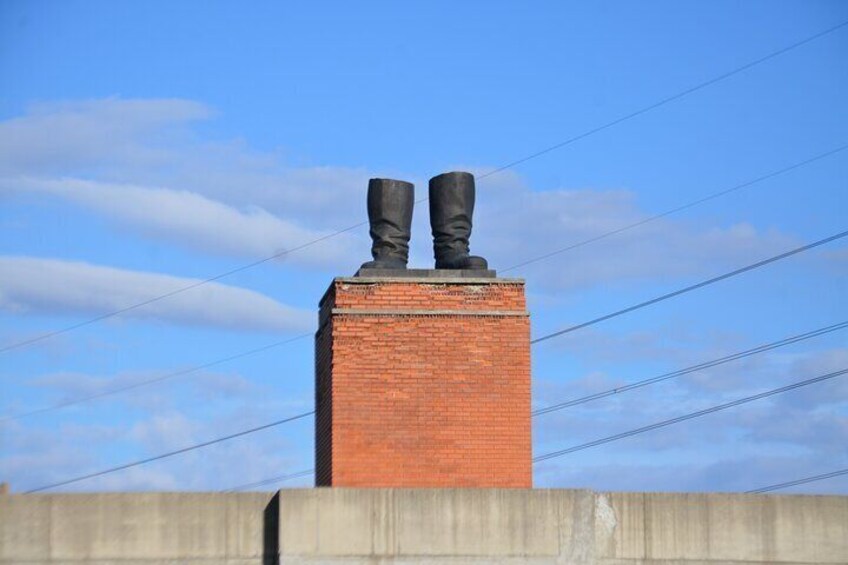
(390, 205)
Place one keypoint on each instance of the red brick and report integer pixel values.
(423, 400)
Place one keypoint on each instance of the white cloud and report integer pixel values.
(56, 137)
(33, 458)
(808, 422)
(150, 143)
(50, 286)
(145, 390)
(728, 473)
(514, 224)
(839, 258)
(147, 169)
(517, 224)
(192, 220)
(140, 164)
(166, 431)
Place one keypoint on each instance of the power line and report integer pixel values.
(559, 145)
(608, 316)
(643, 304)
(171, 453)
(692, 369)
(174, 292)
(689, 416)
(251, 352)
(599, 395)
(190, 370)
(805, 480)
(165, 377)
(264, 348)
(665, 101)
(657, 425)
(701, 284)
(677, 209)
(272, 480)
(535, 460)
(307, 472)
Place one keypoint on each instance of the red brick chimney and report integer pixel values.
(423, 381)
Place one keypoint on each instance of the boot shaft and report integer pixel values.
(390, 205)
(451, 211)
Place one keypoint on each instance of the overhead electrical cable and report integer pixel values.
(535, 460)
(174, 292)
(641, 305)
(561, 332)
(581, 400)
(597, 396)
(514, 163)
(167, 376)
(667, 100)
(692, 369)
(509, 165)
(73, 402)
(677, 209)
(624, 388)
(689, 416)
(264, 348)
(272, 480)
(803, 481)
(690, 288)
(171, 453)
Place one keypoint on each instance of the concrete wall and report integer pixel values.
(139, 528)
(422, 526)
(458, 526)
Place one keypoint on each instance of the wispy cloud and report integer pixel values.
(809, 422)
(35, 457)
(191, 220)
(51, 286)
(148, 390)
(143, 166)
(518, 224)
(728, 473)
(93, 134)
(223, 197)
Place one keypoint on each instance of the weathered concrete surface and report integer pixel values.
(720, 528)
(489, 524)
(430, 526)
(422, 526)
(139, 528)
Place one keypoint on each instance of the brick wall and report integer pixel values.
(423, 383)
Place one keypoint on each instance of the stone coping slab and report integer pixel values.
(426, 273)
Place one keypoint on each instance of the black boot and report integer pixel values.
(451, 208)
(390, 216)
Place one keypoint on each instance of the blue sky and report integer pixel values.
(145, 146)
